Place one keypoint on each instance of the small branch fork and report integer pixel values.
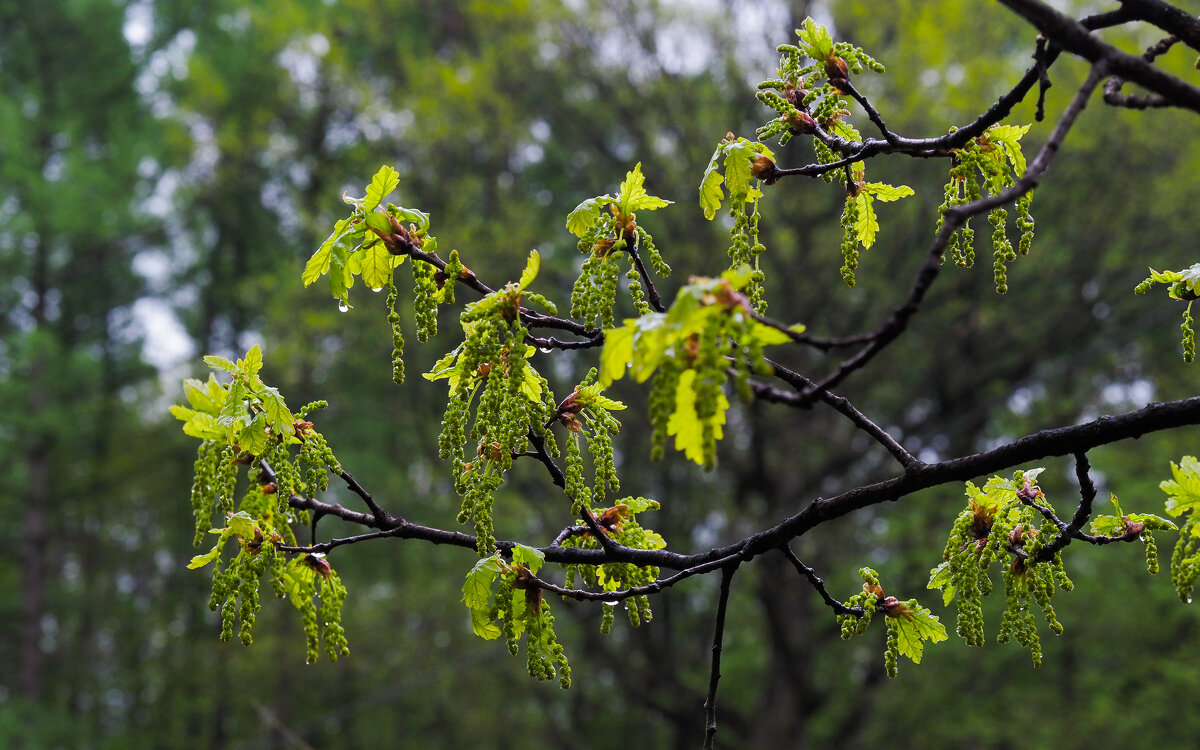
(1074, 529)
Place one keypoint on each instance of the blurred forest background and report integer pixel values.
(167, 167)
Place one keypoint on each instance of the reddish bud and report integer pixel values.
(835, 68)
(764, 169)
(801, 123)
(319, 564)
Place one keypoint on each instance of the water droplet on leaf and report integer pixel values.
(343, 307)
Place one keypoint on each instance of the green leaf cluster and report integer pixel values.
(587, 415)
(909, 624)
(1139, 525)
(512, 401)
(247, 423)
(243, 423)
(742, 167)
(1181, 285)
(807, 94)
(503, 601)
(607, 225)
(689, 349)
(619, 522)
(999, 526)
(994, 162)
(370, 243)
(1183, 499)
(859, 225)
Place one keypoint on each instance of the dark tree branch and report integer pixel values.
(942, 146)
(1167, 17)
(872, 113)
(1075, 38)
(651, 290)
(551, 342)
(714, 677)
(958, 215)
(1039, 445)
(539, 452)
(1112, 88)
(818, 584)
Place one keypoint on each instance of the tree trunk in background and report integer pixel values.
(33, 580)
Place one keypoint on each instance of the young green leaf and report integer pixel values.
(376, 265)
(529, 557)
(942, 577)
(618, 352)
(1183, 492)
(632, 195)
(581, 219)
(198, 396)
(477, 589)
(866, 225)
(532, 266)
(887, 193)
(318, 264)
(252, 362)
(199, 561)
(1009, 136)
(711, 192)
(384, 182)
(918, 625)
(220, 363)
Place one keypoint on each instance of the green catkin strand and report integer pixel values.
(424, 299)
(397, 336)
(1001, 248)
(333, 596)
(1151, 553)
(650, 253)
(635, 290)
(1189, 335)
(308, 617)
(606, 618)
(1025, 223)
(452, 272)
(662, 404)
(849, 240)
(204, 487)
(891, 655)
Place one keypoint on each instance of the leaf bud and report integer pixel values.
(763, 168)
(835, 69)
(318, 563)
(801, 123)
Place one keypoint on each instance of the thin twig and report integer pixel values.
(844, 407)
(651, 290)
(818, 584)
(714, 675)
(650, 588)
(1087, 495)
(872, 114)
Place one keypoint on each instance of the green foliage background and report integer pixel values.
(190, 155)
